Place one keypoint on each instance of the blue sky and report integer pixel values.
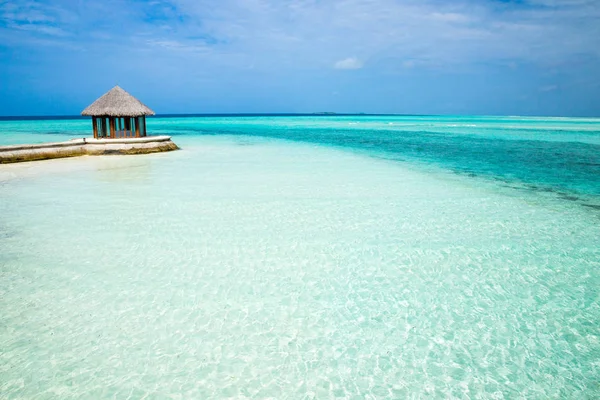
(528, 57)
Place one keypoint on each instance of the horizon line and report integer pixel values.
(310, 114)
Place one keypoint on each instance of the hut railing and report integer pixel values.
(125, 134)
(119, 127)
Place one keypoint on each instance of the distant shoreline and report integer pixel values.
(317, 114)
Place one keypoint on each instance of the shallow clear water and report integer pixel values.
(315, 267)
(558, 155)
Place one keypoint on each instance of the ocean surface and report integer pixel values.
(306, 257)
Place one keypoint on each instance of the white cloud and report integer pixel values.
(278, 35)
(177, 45)
(450, 17)
(549, 88)
(43, 29)
(303, 32)
(348, 63)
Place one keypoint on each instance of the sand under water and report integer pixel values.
(251, 265)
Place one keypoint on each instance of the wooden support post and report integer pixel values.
(95, 125)
(111, 121)
(137, 126)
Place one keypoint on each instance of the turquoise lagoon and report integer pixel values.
(306, 257)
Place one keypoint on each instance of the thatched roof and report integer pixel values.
(117, 103)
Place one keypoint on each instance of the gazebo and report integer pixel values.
(117, 114)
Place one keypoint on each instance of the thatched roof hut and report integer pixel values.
(117, 103)
(117, 114)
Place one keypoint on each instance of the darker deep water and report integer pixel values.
(570, 169)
